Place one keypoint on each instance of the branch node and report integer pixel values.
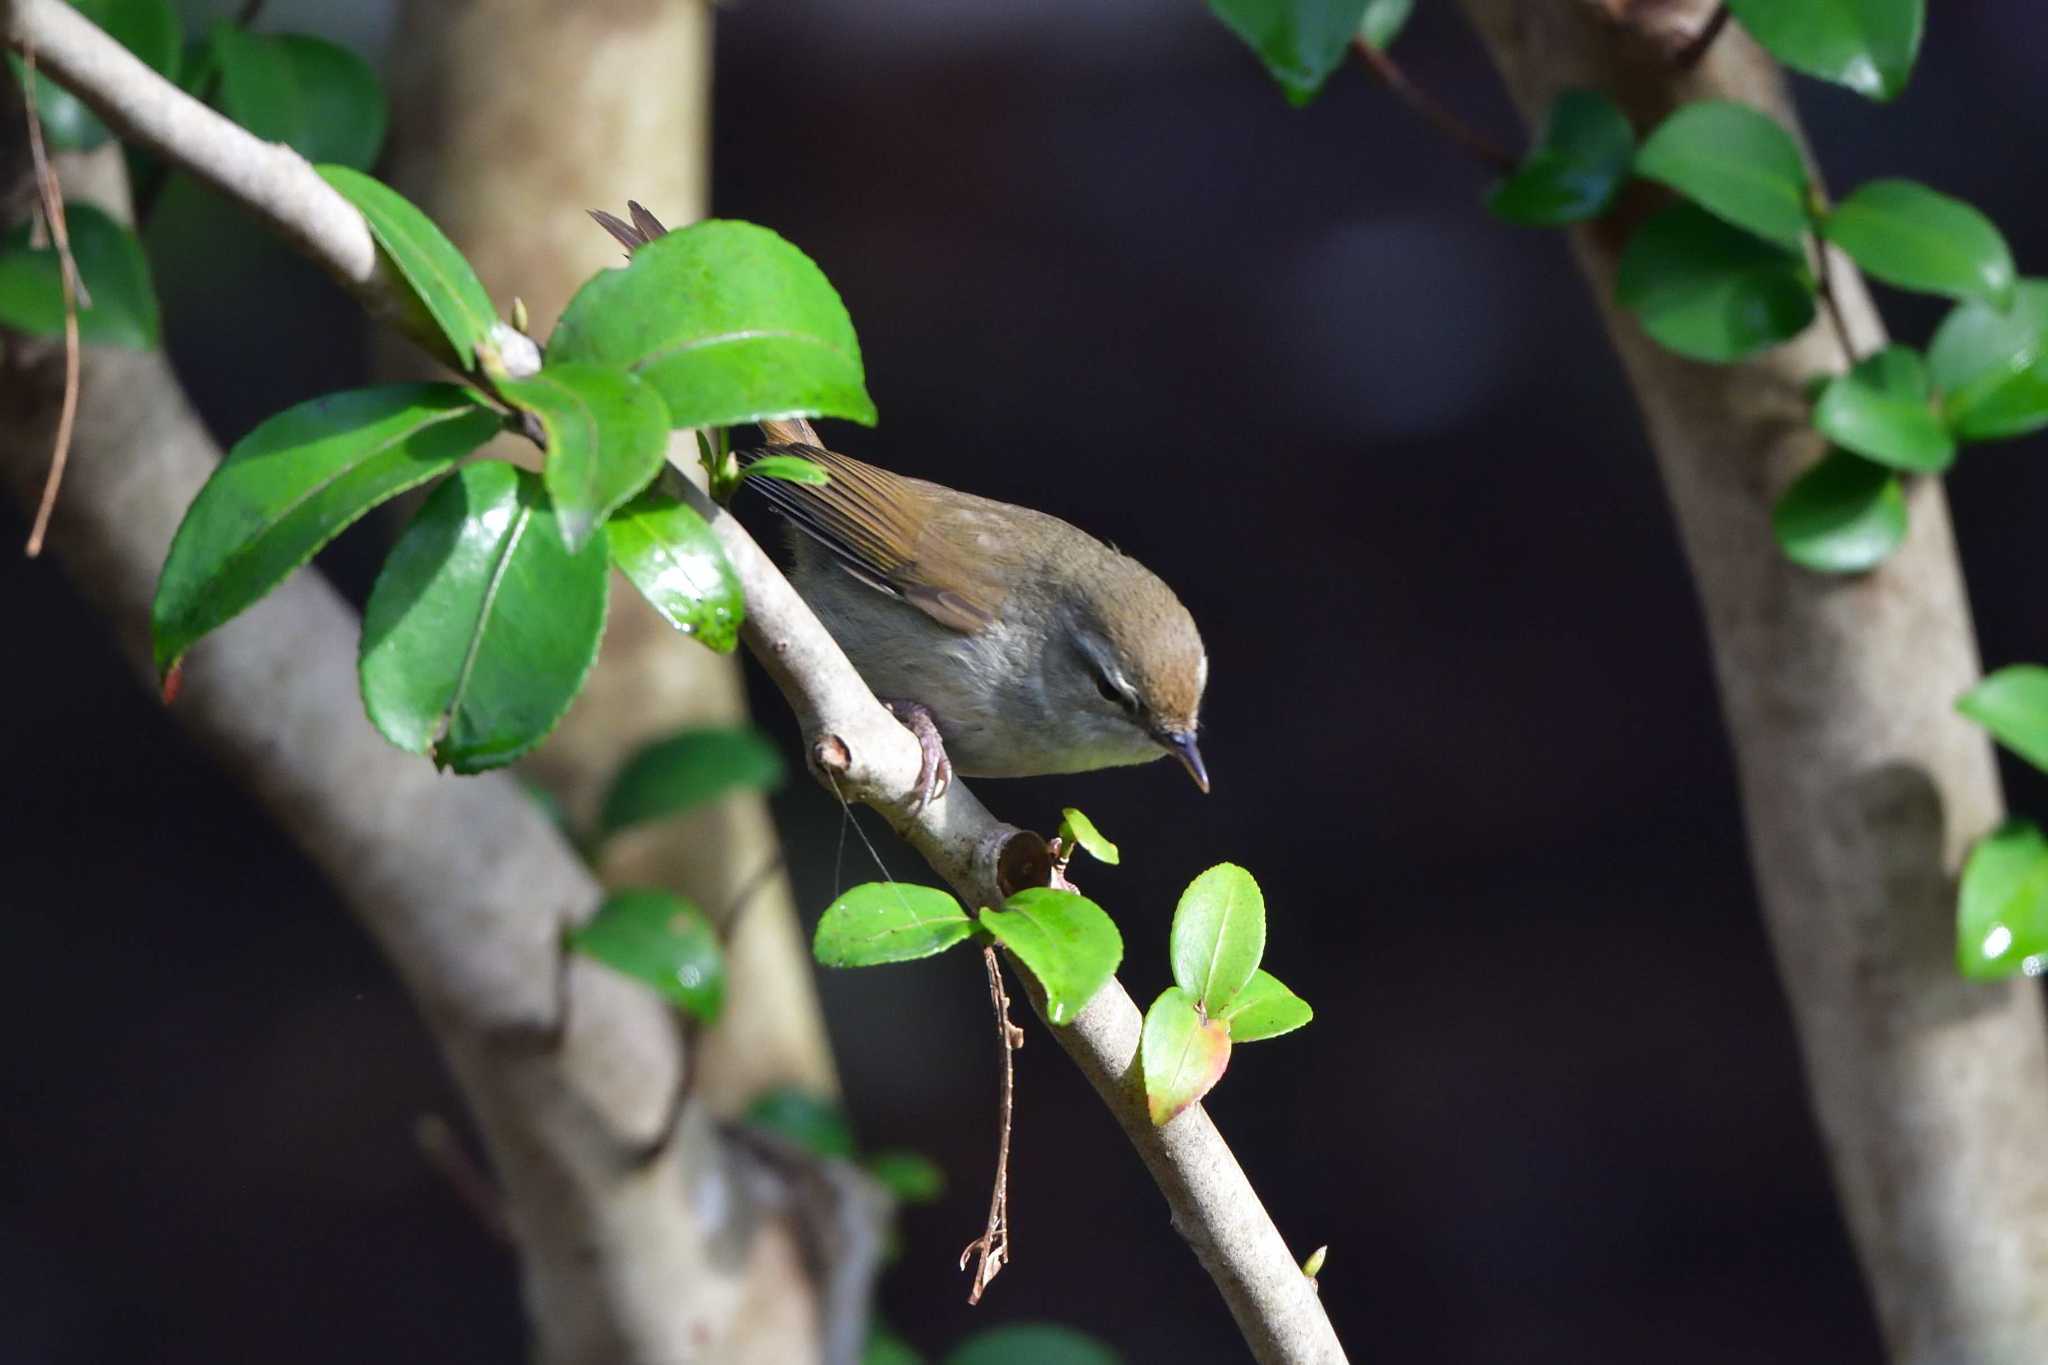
(829, 754)
(1021, 858)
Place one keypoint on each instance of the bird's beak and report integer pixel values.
(1181, 744)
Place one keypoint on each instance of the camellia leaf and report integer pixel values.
(1066, 941)
(292, 485)
(912, 1177)
(1181, 1054)
(1265, 1009)
(147, 28)
(2002, 914)
(440, 278)
(1908, 235)
(1300, 41)
(2013, 705)
(810, 1121)
(1883, 410)
(793, 468)
(728, 322)
(1867, 45)
(1078, 831)
(607, 437)
(1576, 167)
(1991, 366)
(658, 937)
(1734, 162)
(1032, 1343)
(1844, 515)
(686, 771)
(1711, 291)
(888, 922)
(1383, 21)
(1218, 936)
(321, 100)
(123, 309)
(666, 551)
(482, 625)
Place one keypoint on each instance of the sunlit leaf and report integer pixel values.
(687, 770)
(888, 922)
(441, 279)
(1218, 936)
(607, 437)
(2002, 914)
(666, 551)
(663, 940)
(1181, 1054)
(1066, 942)
(1077, 830)
(1991, 366)
(1867, 45)
(793, 468)
(1265, 1009)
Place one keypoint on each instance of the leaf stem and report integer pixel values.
(1477, 144)
(67, 274)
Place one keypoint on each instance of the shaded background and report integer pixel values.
(1462, 726)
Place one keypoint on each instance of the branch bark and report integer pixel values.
(1861, 787)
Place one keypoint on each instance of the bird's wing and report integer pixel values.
(868, 519)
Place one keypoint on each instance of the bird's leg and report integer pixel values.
(935, 773)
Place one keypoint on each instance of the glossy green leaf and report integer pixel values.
(1577, 166)
(1908, 235)
(1265, 1009)
(321, 100)
(668, 552)
(2002, 914)
(1066, 942)
(1181, 1054)
(912, 1177)
(1032, 1343)
(1867, 45)
(728, 322)
(1883, 409)
(2013, 705)
(1218, 936)
(147, 28)
(658, 937)
(1844, 515)
(482, 625)
(1991, 366)
(441, 279)
(292, 485)
(1711, 291)
(1734, 162)
(1383, 21)
(607, 437)
(688, 770)
(1078, 831)
(1300, 41)
(888, 922)
(123, 309)
(812, 1122)
(793, 468)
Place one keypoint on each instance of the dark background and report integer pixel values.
(1462, 727)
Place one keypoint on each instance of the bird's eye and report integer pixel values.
(1111, 692)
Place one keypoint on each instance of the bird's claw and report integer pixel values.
(934, 770)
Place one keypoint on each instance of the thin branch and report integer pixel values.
(1832, 302)
(73, 287)
(1695, 52)
(993, 1246)
(1449, 124)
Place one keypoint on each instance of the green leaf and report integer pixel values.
(658, 937)
(1218, 936)
(1711, 291)
(810, 1121)
(321, 100)
(1265, 1009)
(482, 625)
(1908, 235)
(668, 552)
(1181, 1053)
(292, 485)
(1066, 941)
(1077, 830)
(116, 274)
(1576, 167)
(1032, 1343)
(1867, 45)
(728, 322)
(607, 437)
(1991, 366)
(441, 279)
(794, 468)
(1844, 515)
(888, 922)
(884, 1347)
(147, 28)
(2002, 914)
(2013, 705)
(1734, 162)
(1300, 41)
(688, 770)
(1383, 21)
(1883, 410)
(912, 1177)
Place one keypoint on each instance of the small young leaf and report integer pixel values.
(1032, 1343)
(321, 100)
(147, 28)
(1991, 366)
(1077, 829)
(1064, 939)
(116, 274)
(1312, 1266)
(482, 625)
(687, 770)
(2013, 705)
(1711, 291)
(1218, 936)
(1181, 1053)
(292, 485)
(793, 468)
(1265, 1009)
(440, 278)
(659, 938)
(1844, 515)
(888, 922)
(1383, 21)
(1734, 162)
(1300, 41)
(810, 1121)
(666, 551)
(1908, 235)
(2002, 914)
(607, 438)
(1882, 410)
(1867, 45)
(912, 1177)
(1576, 167)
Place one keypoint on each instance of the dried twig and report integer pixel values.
(52, 195)
(993, 1246)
